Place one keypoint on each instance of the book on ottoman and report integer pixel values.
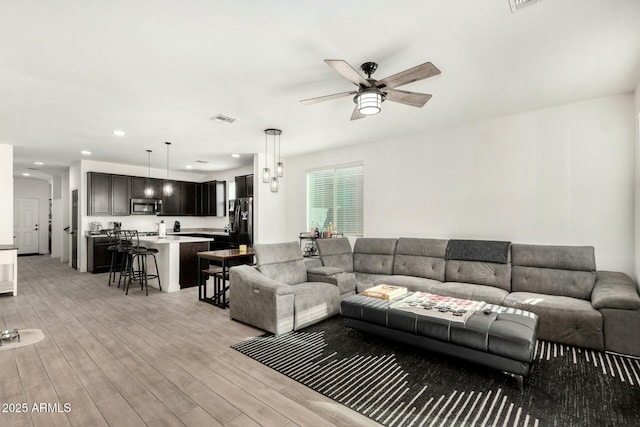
(385, 291)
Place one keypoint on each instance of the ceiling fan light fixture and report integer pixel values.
(369, 102)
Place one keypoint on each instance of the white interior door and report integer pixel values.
(26, 235)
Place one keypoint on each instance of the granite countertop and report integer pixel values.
(211, 231)
(173, 239)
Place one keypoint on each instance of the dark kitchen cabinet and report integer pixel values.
(98, 255)
(120, 194)
(188, 198)
(99, 197)
(189, 270)
(202, 199)
(139, 185)
(216, 196)
(172, 205)
(108, 194)
(249, 184)
(244, 186)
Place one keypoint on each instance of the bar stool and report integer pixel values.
(137, 255)
(114, 241)
(219, 289)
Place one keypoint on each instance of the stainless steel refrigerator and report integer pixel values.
(241, 220)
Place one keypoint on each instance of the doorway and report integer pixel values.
(26, 229)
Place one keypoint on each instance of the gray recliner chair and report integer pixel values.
(277, 296)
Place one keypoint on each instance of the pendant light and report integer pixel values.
(168, 188)
(266, 173)
(148, 190)
(274, 178)
(280, 166)
(277, 169)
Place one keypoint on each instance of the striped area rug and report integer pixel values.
(398, 385)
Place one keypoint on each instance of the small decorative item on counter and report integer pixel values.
(316, 233)
(331, 229)
(242, 249)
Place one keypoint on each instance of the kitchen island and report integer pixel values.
(177, 260)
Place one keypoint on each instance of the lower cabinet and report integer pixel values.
(189, 270)
(98, 255)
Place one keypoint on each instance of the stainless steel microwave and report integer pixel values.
(146, 206)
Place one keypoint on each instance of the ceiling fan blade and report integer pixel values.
(356, 114)
(419, 72)
(327, 97)
(347, 72)
(414, 99)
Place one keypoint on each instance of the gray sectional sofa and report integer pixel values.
(577, 304)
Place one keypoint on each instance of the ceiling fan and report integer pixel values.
(372, 93)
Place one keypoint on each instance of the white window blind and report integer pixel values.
(335, 196)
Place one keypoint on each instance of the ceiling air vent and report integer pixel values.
(202, 161)
(519, 4)
(221, 118)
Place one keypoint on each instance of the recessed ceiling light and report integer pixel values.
(86, 153)
(221, 118)
(235, 155)
(118, 132)
(189, 167)
(38, 163)
(26, 174)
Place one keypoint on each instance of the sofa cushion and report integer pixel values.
(281, 262)
(374, 255)
(481, 273)
(314, 301)
(577, 258)
(478, 250)
(553, 270)
(470, 291)
(336, 252)
(575, 284)
(420, 258)
(562, 319)
(413, 284)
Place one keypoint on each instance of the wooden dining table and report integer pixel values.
(225, 258)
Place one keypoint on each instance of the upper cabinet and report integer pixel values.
(139, 185)
(244, 186)
(108, 194)
(120, 195)
(99, 198)
(188, 199)
(172, 205)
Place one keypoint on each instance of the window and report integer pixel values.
(335, 196)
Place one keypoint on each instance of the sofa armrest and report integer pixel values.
(614, 290)
(346, 282)
(260, 301)
(324, 271)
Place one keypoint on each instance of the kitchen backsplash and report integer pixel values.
(149, 223)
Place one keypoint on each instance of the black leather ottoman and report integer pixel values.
(502, 338)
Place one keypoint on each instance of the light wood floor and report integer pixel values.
(160, 360)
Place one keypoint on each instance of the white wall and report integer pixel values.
(270, 208)
(637, 189)
(562, 175)
(32, 188)
(6, 194)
